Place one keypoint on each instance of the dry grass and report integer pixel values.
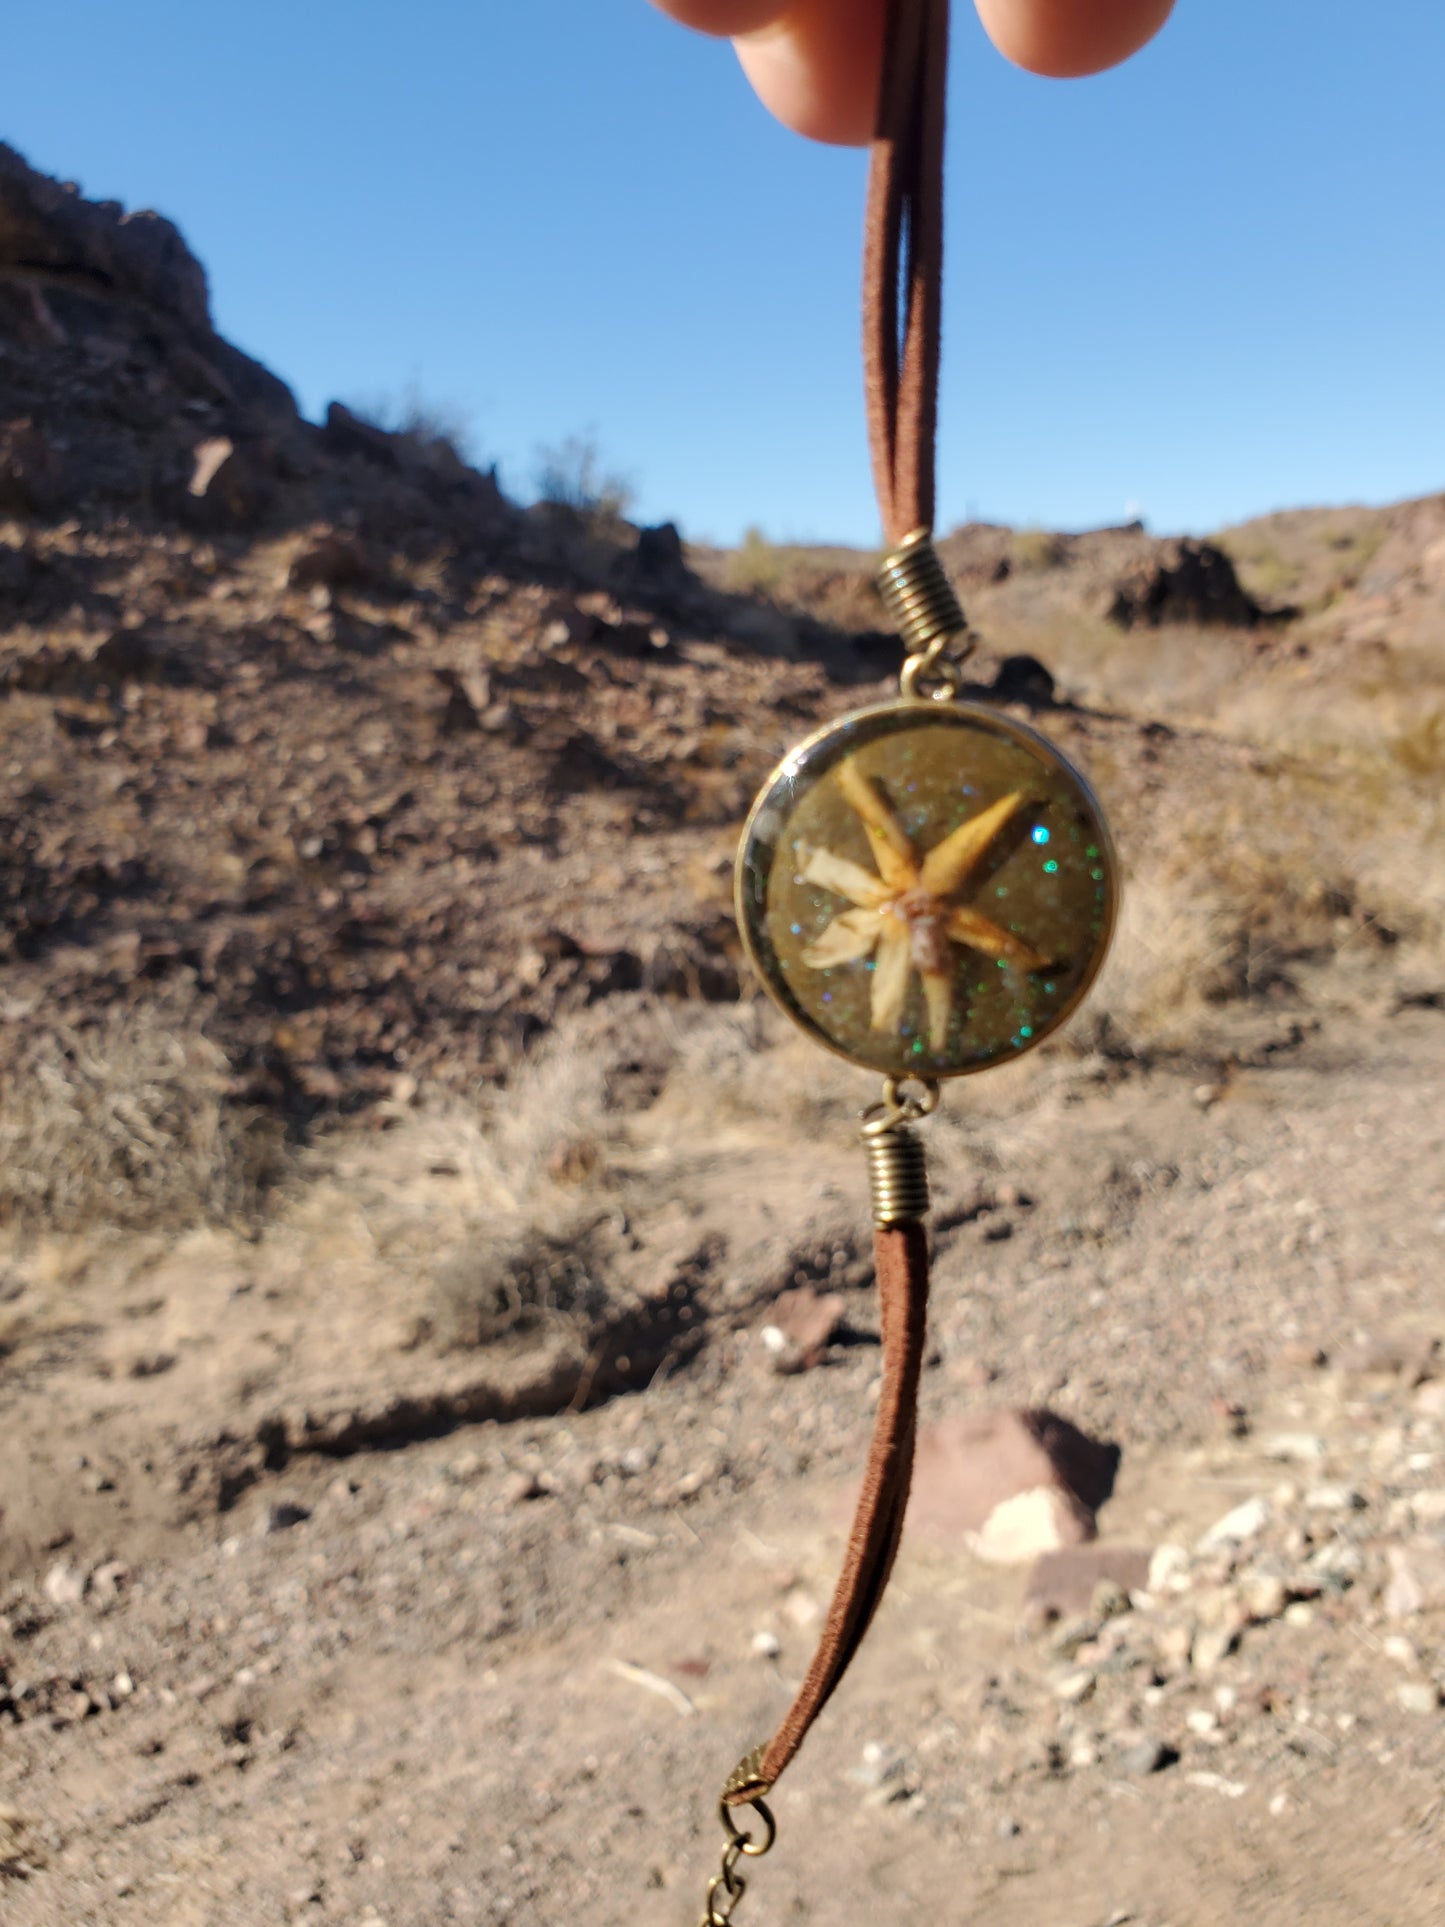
(506, 1209)
(128, 1124)
(758, 566)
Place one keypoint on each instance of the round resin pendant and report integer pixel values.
(926, 888)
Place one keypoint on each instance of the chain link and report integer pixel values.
(727, 1887)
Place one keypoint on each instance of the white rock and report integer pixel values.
(1074, 1687)
(1301, 1613)
(1030, 1523)
(64, 1584)
(1246, 1521)
(1418, 1696)
(1169, 1569)
(766, 1645)
(1334, 1497)
(1428, 1508)
(1213, 1644)
(1265, 1595)
(1403, 1651)
(1200, 1720)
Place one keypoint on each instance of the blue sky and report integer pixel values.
(1207, 285)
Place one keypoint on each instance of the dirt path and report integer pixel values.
(493, 1677)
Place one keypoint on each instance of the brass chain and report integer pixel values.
(727, 1887)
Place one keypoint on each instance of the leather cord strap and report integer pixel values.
(902, 274)
(903, 265)
(901, 1256)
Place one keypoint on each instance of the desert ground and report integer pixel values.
(416, 1494)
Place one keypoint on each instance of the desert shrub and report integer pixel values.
(1036, 549)
(425, 418)
(129, 1123)
(573, 474)
(1420, 747)
(1170, 958)
(506, 1205)
(756, 566)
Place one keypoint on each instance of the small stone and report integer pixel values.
(1211, 1645)
(766, 1645)
(1008, 1828)
(1418, 1696)
(1168, 1570)
(1264, 1594)
(1074, 1687)
(801, 1609)
(1175, 1643)
(1403, 1651)
(109, 1580)
(1298, 1354)
(1417, 1577)
(1430, 1399)
(523, 1487)
(1299, 1613)
(636, 1460)
(881, 1766)
(282, 1514)
(1146, 1757)
(1244, 1522)
(1334, 1497)
(64, 1584)
(122, 1686)
(1201, 1721)
(1083, 1753)
(1296, 1448)
(803, 1325)
(1428, 1508)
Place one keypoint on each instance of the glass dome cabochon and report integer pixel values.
(926, 888)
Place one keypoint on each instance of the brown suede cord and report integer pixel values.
(901, 1255)
(902, 275)
(903, 265)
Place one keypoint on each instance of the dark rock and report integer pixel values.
(283, 1514)
(32, 475)
(349, 434)
(334, 560)
(1023, 679)
(1184, 581)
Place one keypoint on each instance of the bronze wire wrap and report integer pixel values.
(902, 291)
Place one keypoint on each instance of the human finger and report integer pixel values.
(1065, 38)
(815, 64)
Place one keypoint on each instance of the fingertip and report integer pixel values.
(816, 69)
(1066, 39)
(723, 17)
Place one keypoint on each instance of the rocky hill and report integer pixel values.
(312, 732)
(436, 1327)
